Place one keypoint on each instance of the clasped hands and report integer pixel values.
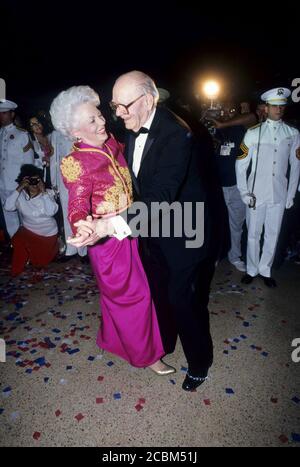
(90, 231)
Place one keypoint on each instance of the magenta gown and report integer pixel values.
(95, 178)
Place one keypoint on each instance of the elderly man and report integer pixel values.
(271, 147)
(165, 167)
(15, 150)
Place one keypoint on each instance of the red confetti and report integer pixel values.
(99, 400)
(206, 401)
(100, 378)
(283, 438)
(36, 435)
(142, 400)
(138, 407)
(274, 400)
(58, 413)
(79, 417)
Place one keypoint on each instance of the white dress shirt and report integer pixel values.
(139, 146)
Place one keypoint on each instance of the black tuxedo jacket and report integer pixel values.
(171, 171)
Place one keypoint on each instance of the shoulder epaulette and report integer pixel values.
(255, 126)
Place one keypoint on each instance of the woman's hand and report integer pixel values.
(24, 184)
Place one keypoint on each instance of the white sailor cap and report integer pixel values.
(276, 96)
(6, 105)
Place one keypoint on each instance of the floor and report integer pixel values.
(58, 389)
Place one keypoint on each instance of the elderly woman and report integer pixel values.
(36, 240)
(99, 184)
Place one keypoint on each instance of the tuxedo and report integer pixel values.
(179, 277)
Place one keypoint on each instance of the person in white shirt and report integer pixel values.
(15, 150)
(271, 148)
(36, 240)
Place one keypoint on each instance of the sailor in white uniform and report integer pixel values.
(15, 150)
(270, 147)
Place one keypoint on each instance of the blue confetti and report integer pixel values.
(233, 347)
(56, 330)
(46, 380)
(110, 363)
(72, 351)
(264, 354)
(172, 381)
(11, 317)
(246, 324)
(183, 368)
(243, 337)
(229, 391)
(69, 367)
(90, 358)
(29, 370)
(296, 437)
(296, 400)
(40, 361)
(236, 340)
(1, 411)
(33, 351)
(117, 395)
(8, 389)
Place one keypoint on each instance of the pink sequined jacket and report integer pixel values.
(98, 181)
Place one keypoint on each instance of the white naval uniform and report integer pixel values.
(62, 146)
(15, 150)
(277, 150)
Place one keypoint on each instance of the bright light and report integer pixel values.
(211, 89)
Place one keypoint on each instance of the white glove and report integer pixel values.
(289, 203)
(246, 199)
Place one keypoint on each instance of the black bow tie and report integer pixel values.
(137, 133)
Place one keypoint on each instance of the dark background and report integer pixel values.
(49, 46)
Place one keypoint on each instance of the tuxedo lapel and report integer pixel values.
(153, 132)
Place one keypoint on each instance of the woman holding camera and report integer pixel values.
(36, 239)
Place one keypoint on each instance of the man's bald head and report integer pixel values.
(135, 96)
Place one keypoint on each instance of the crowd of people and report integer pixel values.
(80, 183)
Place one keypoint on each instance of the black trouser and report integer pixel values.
(181, 297)
(189, 296)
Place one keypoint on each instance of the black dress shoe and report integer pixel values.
(269, 282)
(192, 382)
(247, 279)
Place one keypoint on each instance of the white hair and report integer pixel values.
(143, 82)
(63, 108)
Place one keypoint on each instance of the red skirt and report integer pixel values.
(28, 246)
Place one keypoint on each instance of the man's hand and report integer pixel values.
(247, 199)
(91, 230)
(289, 203)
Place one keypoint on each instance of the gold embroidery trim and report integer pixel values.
(70, 169)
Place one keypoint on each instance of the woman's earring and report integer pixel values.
(78, 139)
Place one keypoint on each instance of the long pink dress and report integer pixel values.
(99, 182)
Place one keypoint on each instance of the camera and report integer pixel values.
(214, 112)
(33, 181)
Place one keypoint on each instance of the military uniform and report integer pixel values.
(270, 147)
(15, 150)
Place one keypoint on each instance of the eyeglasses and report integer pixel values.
(124, 107)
